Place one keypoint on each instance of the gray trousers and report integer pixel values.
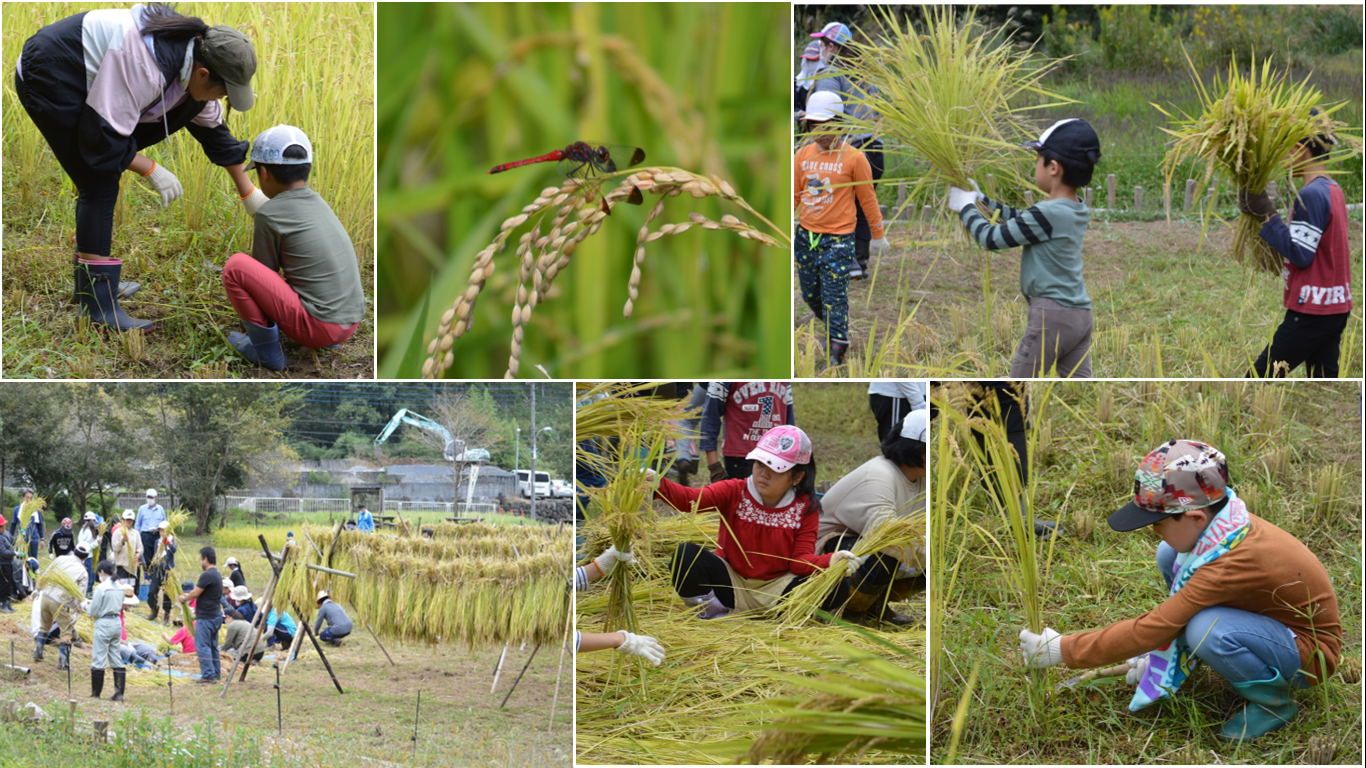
(1057, 336)
(106, 652)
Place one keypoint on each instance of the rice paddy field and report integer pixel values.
(729, 689)
(677, 285)
(460, 722)
(1294, 453)
(1165, 305)
(316, 72)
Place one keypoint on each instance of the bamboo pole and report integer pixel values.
(564, 645)
(257, 624)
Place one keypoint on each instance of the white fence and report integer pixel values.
(276, 505)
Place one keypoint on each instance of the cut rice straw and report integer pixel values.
(903, 532)
(945, 527)
(1248, 124)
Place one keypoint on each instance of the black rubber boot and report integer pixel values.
(857, 607)
(126, 289)
(97, 296)
(64, 656)
(1044, 529)
(837, 351)
(120, 677)
(96, 682)
(38, 644)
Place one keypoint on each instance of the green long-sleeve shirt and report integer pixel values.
(1051, 233)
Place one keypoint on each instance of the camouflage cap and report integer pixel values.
(1175, 477)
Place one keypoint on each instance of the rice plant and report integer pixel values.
(947, 529)
(1250, 121)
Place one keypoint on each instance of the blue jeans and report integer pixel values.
(1239, 645)
(331, 636)
(206, 646)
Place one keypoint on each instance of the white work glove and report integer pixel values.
(852, 562)
(1041, 651)
(254, 201)
(85, 606)
(878, 246)
(644, 646)
(1138, 667)
(962, 198)
(608, 560)
(165, 183)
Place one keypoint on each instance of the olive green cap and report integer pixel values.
(231, 56)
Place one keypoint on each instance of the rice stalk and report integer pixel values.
(994, 459)
(905, 531)
(576, 217)
(946, 526)
(855, 700)
(1249, 123)
(55, 576)
(950, 94)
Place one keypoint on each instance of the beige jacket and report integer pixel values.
(126, 554)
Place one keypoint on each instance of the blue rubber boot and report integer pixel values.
(260, 345)
(1270, 706)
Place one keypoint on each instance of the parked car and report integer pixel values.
(524, 484)
(561, 489)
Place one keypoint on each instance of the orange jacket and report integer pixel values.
(830, 211)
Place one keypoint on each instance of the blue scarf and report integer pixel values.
(1170, 665)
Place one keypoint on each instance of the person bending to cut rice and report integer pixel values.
(767, 542)
(628, 643)
(889, 486)
(1244, 596)
(102, 86)
(319, 300)
(1318, 267)
(1057, 340)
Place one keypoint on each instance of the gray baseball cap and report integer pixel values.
(231, 56)
(269, 148)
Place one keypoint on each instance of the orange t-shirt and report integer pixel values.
(826, 207)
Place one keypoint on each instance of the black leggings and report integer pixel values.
(1311, 340)
(875, 573)
(97, 192)
(863, 233)
(697, 570)
(889, 412)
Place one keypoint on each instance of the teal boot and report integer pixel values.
(1270, 706)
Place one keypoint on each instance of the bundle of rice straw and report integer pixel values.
(798, 606)
(858, 700)
(952, 95)
(467, 587)
(1247, 126)
(54, 576)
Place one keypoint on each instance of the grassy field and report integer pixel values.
(1164, 306)
(460, 722)
(717, 686)
(1281, 440)
(317, 72)
(547, 77)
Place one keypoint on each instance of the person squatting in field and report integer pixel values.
(1318, 266)
(1057, 340)
(829, 174)
(55, 605)
(766, 545)
(102, 86)
(318, 301)
(1244, 596)
(888, 486)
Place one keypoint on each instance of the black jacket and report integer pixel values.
(62, 542)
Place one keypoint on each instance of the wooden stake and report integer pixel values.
(564, 645)
(519, 676)
(1190, 195)
(381, 645)
(1138, 198)
(1110, 191)
(102, 731)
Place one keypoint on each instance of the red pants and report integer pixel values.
(260, 295)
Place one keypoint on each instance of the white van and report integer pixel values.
(524, 484)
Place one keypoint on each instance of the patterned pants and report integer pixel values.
(823, 263)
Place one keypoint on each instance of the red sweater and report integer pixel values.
(759, 542)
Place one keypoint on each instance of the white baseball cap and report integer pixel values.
(916, 426)
(89, 516)
(230, 561)
(128, 515)
(164, 524)
(823, 106)
(269, 147)
(151, 493)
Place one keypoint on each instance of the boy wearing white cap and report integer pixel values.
(1244, 596)
(319, 301)
(888, 486)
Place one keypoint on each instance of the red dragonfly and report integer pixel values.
(588, 161)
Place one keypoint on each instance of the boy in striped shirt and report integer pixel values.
(1057, 340)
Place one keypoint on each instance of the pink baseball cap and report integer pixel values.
(783, 448)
